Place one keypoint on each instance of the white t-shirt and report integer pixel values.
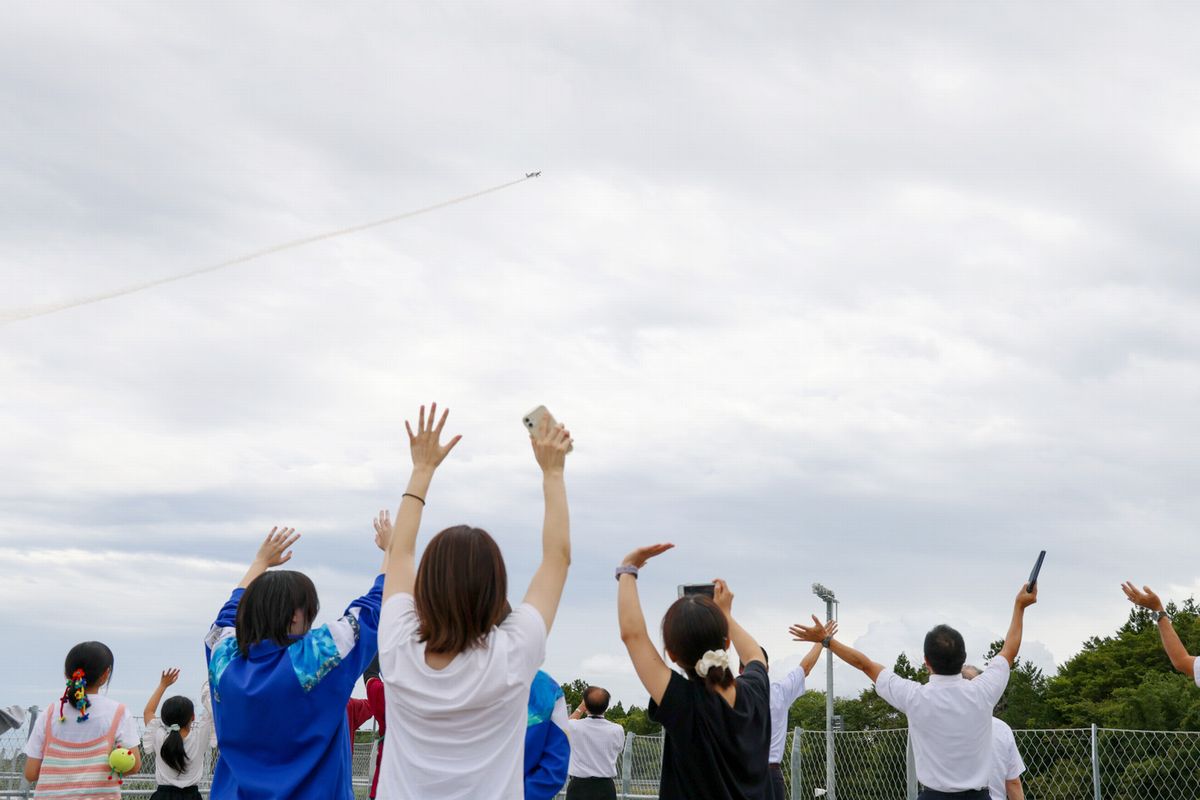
(194, 744)
(1196, 670)
(596, 744)
(100, 719)
(783, 694)
(1008, 763)
(950, 721)
(457, 733)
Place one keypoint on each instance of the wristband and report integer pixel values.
(625, 569)
(826, 641)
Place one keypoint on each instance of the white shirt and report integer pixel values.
(100, 719)
(783, 694)
(194, 745)
(457, 733)
(1007, 764)
(950, 722)
(1196, 670)
(596, 744)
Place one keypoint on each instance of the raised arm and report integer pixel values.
(1012, 642)
(821, 633)
(651, 670)
(400, 566)
(811, 657)
(169, 676)
(273, 552)
(550, 447)
(747, 648)
(1147, 599)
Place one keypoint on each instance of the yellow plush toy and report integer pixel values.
(121, 761)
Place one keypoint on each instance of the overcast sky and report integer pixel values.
(889, 296)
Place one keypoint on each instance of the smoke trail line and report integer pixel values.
(15, 315)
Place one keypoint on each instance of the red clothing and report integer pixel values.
(359, 711)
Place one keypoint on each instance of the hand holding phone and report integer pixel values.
(1031, 584)
(533, 422)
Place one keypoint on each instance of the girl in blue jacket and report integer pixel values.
(280, 686)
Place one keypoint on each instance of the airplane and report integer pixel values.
(533, 174)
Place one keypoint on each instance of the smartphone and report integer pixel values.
(1033, 576)
(533, 422)
(686, 589)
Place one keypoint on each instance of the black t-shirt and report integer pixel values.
(713, 751)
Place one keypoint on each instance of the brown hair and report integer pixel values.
(692, 626)
(461, 591)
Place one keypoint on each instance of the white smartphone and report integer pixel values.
(533, 422)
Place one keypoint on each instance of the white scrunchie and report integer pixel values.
(712, 658)
(174, 728)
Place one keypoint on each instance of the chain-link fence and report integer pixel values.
(1068, 764)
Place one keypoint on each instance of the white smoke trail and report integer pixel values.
(15, 315)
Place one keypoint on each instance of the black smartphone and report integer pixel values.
(686, 589)
(1033, 576)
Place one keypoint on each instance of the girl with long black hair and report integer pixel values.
(178, 739)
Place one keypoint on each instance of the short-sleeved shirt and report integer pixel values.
(194, 745)
(457, 733)
(950, 721)
(783, 694)
(714, 751)
(100, 719)
(1008, 763)
(596, 744)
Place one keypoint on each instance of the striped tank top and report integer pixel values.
(78, 770)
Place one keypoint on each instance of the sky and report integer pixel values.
(886, 296)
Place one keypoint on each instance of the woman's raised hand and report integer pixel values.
(639, 557)
(169, 676)
(383, 529)
(550, 446)
(426, 446)
(276, 548)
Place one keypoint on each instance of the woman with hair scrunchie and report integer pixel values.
(178, 740)
(717, 728)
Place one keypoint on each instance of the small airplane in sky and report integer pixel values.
(533, 174)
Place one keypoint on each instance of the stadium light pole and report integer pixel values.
(827, 595)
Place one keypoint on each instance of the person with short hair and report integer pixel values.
(458, 661)
(596, 744)
(1005, 783)
(1180, 658)
(783, 694)
(949, 718)
(270, 669)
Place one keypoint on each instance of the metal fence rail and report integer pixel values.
(1068, 764)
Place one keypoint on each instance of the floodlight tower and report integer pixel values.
(831, 602)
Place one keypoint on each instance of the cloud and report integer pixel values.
(886, 300)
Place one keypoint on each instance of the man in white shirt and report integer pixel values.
(950, 718)
(783, 694)
(1007, 766)
(1180, 658)
(596, 744)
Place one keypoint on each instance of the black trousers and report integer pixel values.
(969, 794)
(176, 793)
(778, 789)
(591, 789)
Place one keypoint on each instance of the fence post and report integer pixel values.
(1095, 764)
(910, 767)
(627, 766)
(795, 784)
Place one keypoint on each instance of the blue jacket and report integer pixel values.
(280, 712)
(547, 750)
